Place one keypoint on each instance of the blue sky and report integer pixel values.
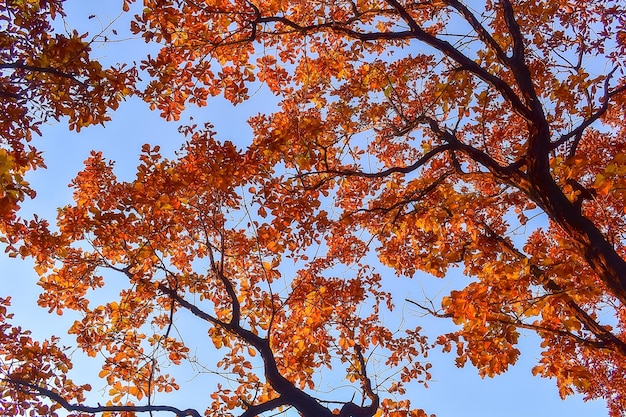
(453, 392)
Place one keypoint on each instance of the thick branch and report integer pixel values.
(509, 174)
(541, 329)
(307, 405)
(584, 235)
(10, 95)
(257, 409)
(538, 184)
(352, 410)
(303, 402)
(589, 240)
(518, 66)
(504, 319)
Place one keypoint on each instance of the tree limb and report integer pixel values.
(101, 408)
(352, 410)
(608, 338)
(48, 70)
(579, 130)
(480, 30)
(385, 173)
(255, 410)
(518, 65)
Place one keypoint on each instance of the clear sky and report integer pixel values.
(453, 392)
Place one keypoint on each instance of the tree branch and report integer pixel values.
(415, 196)
(255, 410)
(350, 409)
(589, 322)
(509, 174)
(465, 62)
(307, 405)
(101, 408)
(48, 70)
(518, 64)
(504, 319)
(480, 30)
(429, 310)
(415, 32)
(230, 290)
(384, 173)
(291, 395)
(579, 130)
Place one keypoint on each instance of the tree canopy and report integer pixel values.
(427, 134)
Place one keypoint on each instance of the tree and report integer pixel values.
(429, 133)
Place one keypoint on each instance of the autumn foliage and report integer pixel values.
(45, 74)
(485, 136)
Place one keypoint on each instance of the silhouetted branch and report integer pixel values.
(384, 173)
(48, 70)
(577, 133)
(100, 408)
(254, 410)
